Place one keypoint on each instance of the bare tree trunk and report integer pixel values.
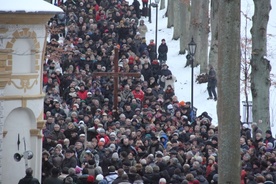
(199, 29)
(176, 20)
(213, 53)
(228, 105)
(184, 23)
(260, 79)
(162, 5)
(170, 14)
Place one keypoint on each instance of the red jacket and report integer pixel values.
(138, 94)
(82, 94)
(145, 1)
(106, 139)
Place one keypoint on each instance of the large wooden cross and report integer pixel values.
(116, 74)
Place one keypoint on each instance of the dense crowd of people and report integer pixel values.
(151, 137)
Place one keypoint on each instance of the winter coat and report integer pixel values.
(111, 177)
(138, 94)
(149, 96)
(153, 148)
(202, 179)
(142, 29)
(271, 140)
(212, 79)
(126, 94)
(143, 49)
(29, 180)
(168, 94)
(82, 94)
(152, 51)
(162, 52)
(53, 180)
(176, 179)
(147, 73)
(69, 162)
(147, 178)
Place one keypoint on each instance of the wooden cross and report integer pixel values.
(116, 74)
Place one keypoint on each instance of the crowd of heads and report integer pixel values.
(151, 136)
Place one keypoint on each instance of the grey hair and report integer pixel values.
(72, 171)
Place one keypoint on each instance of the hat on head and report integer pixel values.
(102, 140)
(69, 151)
(101, 143)
(115, 155)
(112, 146)
(76, 105)
(245, 125)
(159, 155)
(89, 93)
(101, 130)
(268, 132)
(214, 138)
(112, 134)
(90, 178)
(99, 177)
(137, 109)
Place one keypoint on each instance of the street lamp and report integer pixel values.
(150, 12)
(155, 5)
(192, 51)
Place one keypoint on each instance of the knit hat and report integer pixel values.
(115, 155)
(101, 143)
(268, 132)
(99, 177)
(90, 178)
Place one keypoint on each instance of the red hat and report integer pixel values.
(90, 178)
(182, 103)
(101, 143)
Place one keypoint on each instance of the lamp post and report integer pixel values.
(150, 12)
(155, 5)
(192, 51)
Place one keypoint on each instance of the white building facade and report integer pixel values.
(23, 36)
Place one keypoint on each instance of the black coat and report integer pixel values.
(147, 73)
(162, 52)
(212, 79)
(28, 180)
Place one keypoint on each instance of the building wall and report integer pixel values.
(22, 49)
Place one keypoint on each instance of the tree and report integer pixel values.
(199, 30)
(162, 4)
(184, 23)
(213, 52)
(260, 72)
(170, 14)
(176, 20)
(246, 47)
(228, 105)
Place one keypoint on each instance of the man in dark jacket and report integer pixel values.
(70, 160)
(53, 179)
(29, 179)
(212, 83)
(162, 51)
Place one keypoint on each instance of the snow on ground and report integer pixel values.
(177, 62)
